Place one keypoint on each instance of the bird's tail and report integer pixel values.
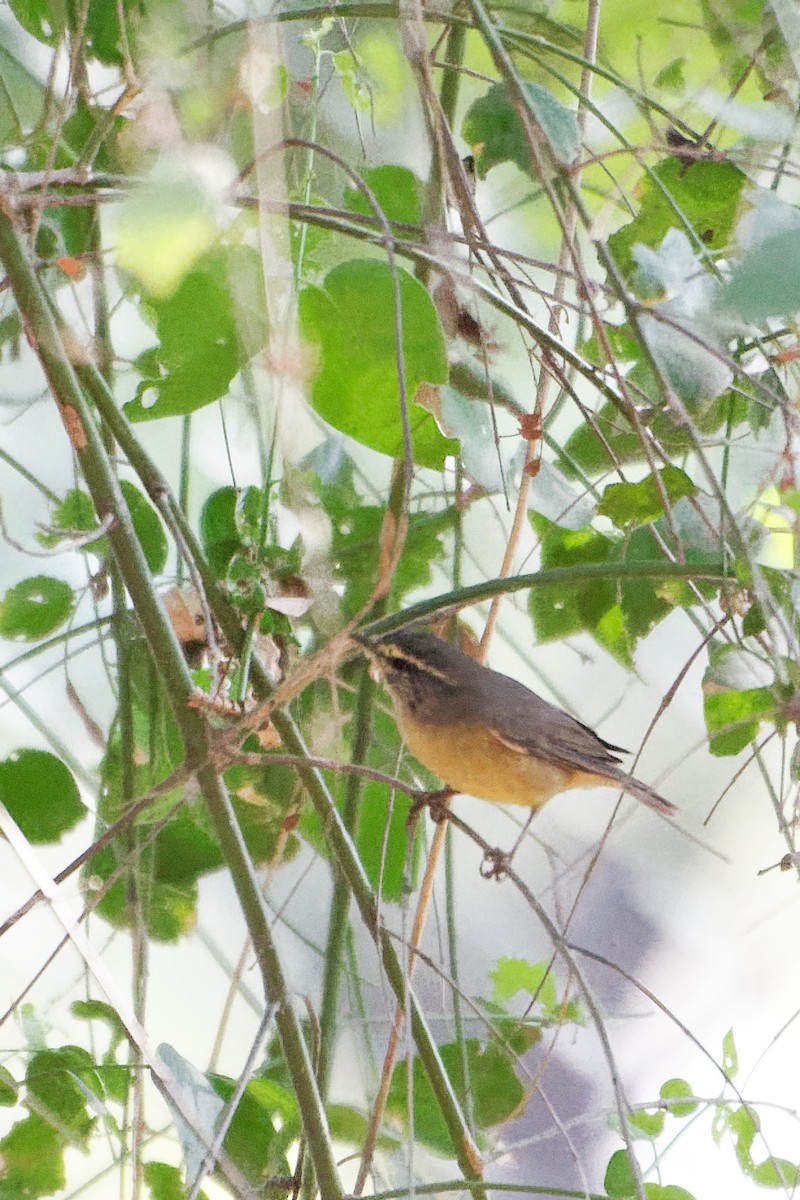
(647, 796)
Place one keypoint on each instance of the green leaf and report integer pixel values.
(671, 76)
(356, 553)
(629, 504)
(743, 1123)
(351, 1126)
(733, 718)
(249, 514)
(9, 1089)
(646, 1124)
(619, 1180)
(199, 329)
(675, 1088)
(115, 1079)
(43, 19)
(168, 912)
(397, 190)
(513, 975)
(23, 101)
(691, 362)
(264, 1125)
(75, 514)
(47, 20)
(70, 231)
(102, 33)
(766, 283)
(52, 1077)
(775, 1173)
(560, 611)
(670, 1191)
(706, 193)
(218, 529)
(616, 611)
(39, 792)
(147, 526)
(167, 870)
(494, 130)
(352, 321)
(33, 1160)
(374, 75)
(35, 607)
(166, 1182)
(382, 839)
(164, 873)
(597, 448)
(494, 1090)
(99, 1010)
(730, 1058)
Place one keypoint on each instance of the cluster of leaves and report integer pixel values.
(483, 1072)
(735, 1118)
(71, 1096)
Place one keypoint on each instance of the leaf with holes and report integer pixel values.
(35, 607)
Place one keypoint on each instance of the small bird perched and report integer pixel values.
(488, 735)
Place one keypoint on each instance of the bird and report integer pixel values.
(487, 735)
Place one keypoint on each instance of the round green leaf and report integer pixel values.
(352, 320)
(619, 1178)
(673, 1089)
(35, 607)
(148, 527)
(41, 795)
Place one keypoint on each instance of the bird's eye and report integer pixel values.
(398, 663)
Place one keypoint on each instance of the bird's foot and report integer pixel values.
(495, 864)
(437, 802)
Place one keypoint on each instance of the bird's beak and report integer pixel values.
(368, 647)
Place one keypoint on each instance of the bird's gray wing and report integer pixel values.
(524, 720)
